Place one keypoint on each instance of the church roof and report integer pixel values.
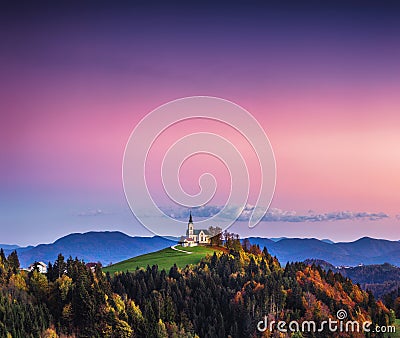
(196, 232)
(185, 239)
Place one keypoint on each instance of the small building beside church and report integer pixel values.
(194, 237)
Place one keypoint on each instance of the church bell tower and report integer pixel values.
(190, 226)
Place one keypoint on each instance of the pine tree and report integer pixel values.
(13, 261)
(3, 259)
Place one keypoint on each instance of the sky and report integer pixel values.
(322, 80)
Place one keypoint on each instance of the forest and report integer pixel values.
(225, 295)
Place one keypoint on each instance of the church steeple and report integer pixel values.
(190, 226)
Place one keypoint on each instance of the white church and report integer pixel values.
(194, 237)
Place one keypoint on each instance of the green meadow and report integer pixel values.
(164, 258)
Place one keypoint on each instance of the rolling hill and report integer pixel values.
(111, 247)
(364, 250)
(105, 247)
(165, 259)
(9, 247)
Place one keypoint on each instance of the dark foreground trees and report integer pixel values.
(226, 294)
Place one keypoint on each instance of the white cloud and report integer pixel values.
(277, 215)
(92, 212)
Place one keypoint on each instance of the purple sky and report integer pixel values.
(322, 80)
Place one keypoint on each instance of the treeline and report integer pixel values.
(392, 300)
(70, 300)
(225, 295)
(379, 278)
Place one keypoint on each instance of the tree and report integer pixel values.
(135, 318)
(83, 308)
(3, 259)
(216, 235)
(122, 330)
(216, 240)
(392, 317)
(59, 266)
(214, 230)
(161, 330)
(13, 261)
(38, 285)
(49, 333)
(17, 281)
(246, 244)
(236, 246)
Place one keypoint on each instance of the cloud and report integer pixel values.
(203, 211)
(277, 215)
(398, 217)
(93, 212)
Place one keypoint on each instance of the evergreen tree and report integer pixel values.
(3, 259)
(13, 261)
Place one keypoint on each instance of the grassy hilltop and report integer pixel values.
(165, 259)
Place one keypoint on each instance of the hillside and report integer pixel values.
(164, 259)
(378, 278)
(224, 295)
(105, 247)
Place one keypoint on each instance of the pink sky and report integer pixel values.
(332, 151)
(329, 104)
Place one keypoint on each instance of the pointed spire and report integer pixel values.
(190, 217)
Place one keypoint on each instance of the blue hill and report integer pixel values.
(363, 251)
(111, 247)
(105, 247)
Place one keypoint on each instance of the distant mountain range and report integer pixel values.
(111, 247)
(105, 247)
(277, 239)
(363, 251)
